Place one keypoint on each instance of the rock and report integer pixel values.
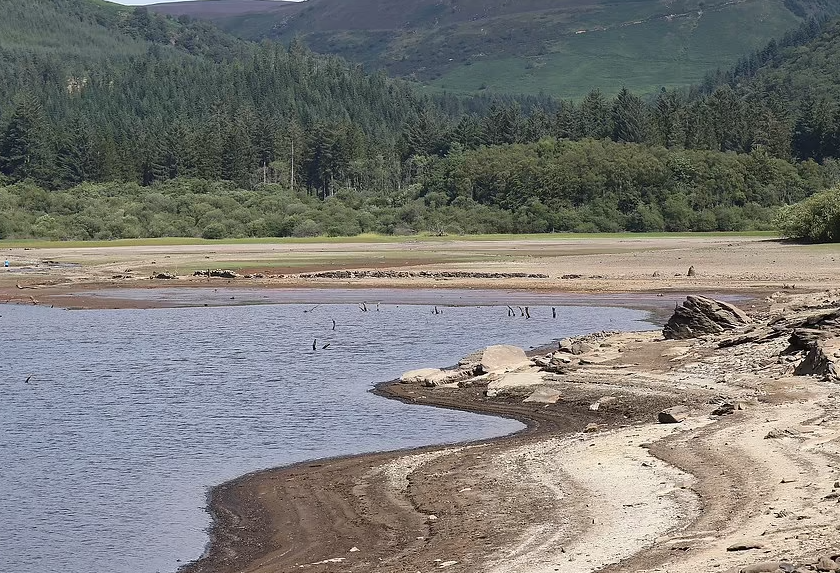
(673, 415)
(575, 347)
(503, 357)
(820, 359)
(745, 545)
(691, 271)
(582, 348)
(419, 376)
(723, 409)
(699, 316)
(777, 433)
(164, 276)
(432, 377)
(826, 563)
(515, 383)
(543, 396)
(591, 428)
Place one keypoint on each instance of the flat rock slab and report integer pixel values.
(503, 357)
(420, 376)
(745, 545)
(543, 396)
(515, 382)
(673, 415)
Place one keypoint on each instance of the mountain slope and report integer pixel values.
(562, 48)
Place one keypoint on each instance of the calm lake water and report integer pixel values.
(106, 455)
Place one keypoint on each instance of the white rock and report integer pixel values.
(503, 357)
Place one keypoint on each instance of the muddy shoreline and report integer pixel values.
(244, 530)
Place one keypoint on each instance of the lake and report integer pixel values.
(107, 453)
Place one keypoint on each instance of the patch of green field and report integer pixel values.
(643, 57)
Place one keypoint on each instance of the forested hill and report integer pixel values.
(119, 92)
(149, 126)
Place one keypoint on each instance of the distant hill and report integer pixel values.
(562, 48)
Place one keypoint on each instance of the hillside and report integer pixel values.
(532, 46)
(153, 126)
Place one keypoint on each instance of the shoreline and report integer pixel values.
(233, 512)
(349, 514)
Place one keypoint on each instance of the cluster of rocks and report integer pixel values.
(828, 562)
(220, 273)
(582, 344)
(813, 336)
(385, 274)
(162, 276)
(475, 369)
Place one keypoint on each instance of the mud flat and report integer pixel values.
(743, 478)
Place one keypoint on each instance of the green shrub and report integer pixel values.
(815, 219)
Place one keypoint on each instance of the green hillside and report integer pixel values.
(153, 126)
(559, 48)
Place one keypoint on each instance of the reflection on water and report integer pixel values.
(106, 454)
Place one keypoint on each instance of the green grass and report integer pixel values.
(642, 57)
(369, 238)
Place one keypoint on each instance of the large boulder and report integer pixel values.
(699, 316)
(503, 357)
(821, 359)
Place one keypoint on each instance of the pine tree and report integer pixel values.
(595, 116)
(24, 144)
(630, 120)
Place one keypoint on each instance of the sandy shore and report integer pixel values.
(594, 483)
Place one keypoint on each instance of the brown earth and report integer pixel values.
(722, 264)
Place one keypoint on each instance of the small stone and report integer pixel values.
(745, 545)
(723, 410)
(354, 549)
(826, 563)
(673, 415)
(591, 428)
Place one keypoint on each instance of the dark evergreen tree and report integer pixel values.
(629, 118)
(25, 143)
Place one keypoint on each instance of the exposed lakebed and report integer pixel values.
(107, 453)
